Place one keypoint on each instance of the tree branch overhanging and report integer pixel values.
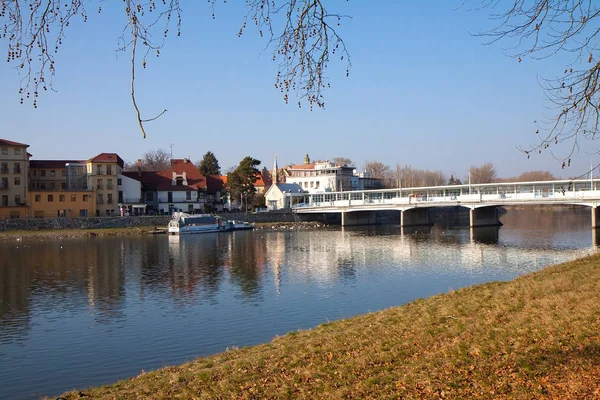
(302, 34)
(540, 29)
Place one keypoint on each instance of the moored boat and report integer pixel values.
(241, 225)
(183, 223)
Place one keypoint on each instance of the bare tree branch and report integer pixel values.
(301, 34)
(543, 28)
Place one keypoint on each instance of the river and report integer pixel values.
(89, 311)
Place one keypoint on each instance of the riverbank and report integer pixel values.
(138, 230)
(533, 337)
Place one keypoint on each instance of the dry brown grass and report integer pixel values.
(535, 337)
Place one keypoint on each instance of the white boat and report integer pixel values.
(241, 225)
(183, 223)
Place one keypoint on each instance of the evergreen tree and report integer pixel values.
(209, 165)
(241, 180)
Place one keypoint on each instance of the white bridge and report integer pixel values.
(483, 200)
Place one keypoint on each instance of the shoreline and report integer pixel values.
(533, 337)
(138, 230)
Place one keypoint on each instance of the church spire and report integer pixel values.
(275, 173)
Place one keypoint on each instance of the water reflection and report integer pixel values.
(78, 312)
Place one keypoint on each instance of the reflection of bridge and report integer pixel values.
(483, 200)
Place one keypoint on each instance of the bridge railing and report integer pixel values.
(354, 199)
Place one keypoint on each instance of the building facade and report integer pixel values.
(102, 172)
(320, 176)
(14, 164)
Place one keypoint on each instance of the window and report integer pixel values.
(38, 198)
(73, 197)
(316, 184)
(188, 195)
(312, 184)
(63, 185)
(119, 182)
(43, 186)
(109, 198)
(17, 181)
(99, 184)
(43, 172)
(100, 198)
(17, 199)
(52, 185)
(4, 184)
(86, 197)
(61, 197)
(149, 196)
(52, 173)
(99, 170)
(109, 170)
(109, 184)
(17, 168)
(17, 151)
(83, 213)
(5, 201)
(50, 198)
(63, 173)
(4, 151)
(4, 168)
(34, 172)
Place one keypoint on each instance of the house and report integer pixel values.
(102, 172)
(130, 200)
(181, 187)
(283, 195)
(321, 176)
(14, 163)
(52, 203)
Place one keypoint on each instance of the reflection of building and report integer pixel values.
(14, 161)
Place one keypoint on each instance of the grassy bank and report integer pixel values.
(535, 337)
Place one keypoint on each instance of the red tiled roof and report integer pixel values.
(214, 183)
(4, 142)
(162, 180)
(107, 158)
(302, 166)
(58, 164)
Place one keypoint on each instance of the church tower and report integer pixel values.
(306, 159)
(275, 172)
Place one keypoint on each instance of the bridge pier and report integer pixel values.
(484, 216)
(414, 217)
(595, 217)
(359, 218)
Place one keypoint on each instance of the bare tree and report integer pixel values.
(544, 28)
(408, 176)
(482, 174)
(376, 169)
(301, 34)
(153, 160)
(531, 176)
(343, 161)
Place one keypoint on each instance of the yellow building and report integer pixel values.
(14, 161)
(48, 174)
(102, 172)
(61, 203)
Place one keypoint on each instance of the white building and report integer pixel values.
(282, 195)
(321, 176)
(130, 196)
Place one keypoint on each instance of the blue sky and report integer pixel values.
(422, 91)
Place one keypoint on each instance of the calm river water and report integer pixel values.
(90, 311)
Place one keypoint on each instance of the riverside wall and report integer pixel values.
(35, 224)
